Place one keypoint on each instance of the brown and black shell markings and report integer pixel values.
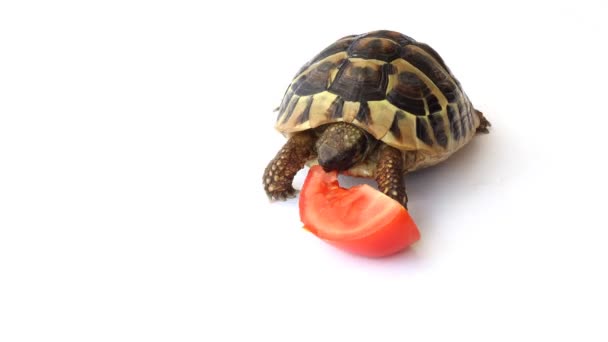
(386, 83)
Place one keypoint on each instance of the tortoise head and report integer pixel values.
(341, 145)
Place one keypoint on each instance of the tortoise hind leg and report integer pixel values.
(389, 174)
(483, 123)
(279, 174)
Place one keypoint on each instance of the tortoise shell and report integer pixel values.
(397, 89)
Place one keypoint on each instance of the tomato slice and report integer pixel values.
(360, 220)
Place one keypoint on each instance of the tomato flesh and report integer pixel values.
(360, 220)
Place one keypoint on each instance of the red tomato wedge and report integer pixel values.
(359, 220)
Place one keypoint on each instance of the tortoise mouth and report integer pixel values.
(333, 159)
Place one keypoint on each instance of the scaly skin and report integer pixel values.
(389, 174)
(302, 147)
(279, 173)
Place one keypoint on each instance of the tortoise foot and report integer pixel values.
(281, 195)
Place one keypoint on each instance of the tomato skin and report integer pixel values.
(359, 220)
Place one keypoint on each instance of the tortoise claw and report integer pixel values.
(282, 195)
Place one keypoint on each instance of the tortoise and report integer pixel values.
(375, 105)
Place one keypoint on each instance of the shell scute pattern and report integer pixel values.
(360, 80)
(397, 89)
(374, 48)
(409, 92)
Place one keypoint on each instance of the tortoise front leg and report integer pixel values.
(279, 173)
(389, 174)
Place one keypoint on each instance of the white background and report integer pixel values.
(133, 137)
